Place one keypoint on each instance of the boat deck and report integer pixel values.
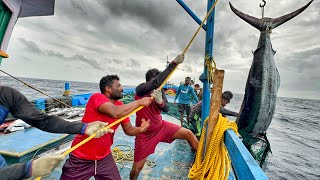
(172, 161)
(23, 145)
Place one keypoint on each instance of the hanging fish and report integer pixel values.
(263, 81)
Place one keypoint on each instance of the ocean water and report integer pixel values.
(294, 133)
(53, 88)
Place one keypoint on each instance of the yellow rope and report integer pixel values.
(120, 155)
(216, 163)
(193, 37)
(93, 135)
(139, 108)
(210, 68)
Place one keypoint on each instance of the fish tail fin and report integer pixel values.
(280, 20)
(264, 24)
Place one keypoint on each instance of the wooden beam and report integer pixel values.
(215, 102)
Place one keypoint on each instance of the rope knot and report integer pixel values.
(210, 68)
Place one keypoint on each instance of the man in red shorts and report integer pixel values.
(159, 130)
(94, 158)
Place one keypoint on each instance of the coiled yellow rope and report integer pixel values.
(120, 155)
(216, 163)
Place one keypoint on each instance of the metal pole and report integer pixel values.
(185, 7)
(208, 51)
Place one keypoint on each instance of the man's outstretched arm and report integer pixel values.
(21, 108)
(226, 112)
(145, 88)
(117, 112)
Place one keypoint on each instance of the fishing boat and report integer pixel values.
(169, 161)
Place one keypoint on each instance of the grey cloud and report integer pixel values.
(30, 45)
(116, 61)
(132, 63)
(125, 63)
(34, 48)
(302, 83)
(187, 68)
(155, 13)
(55, 54)
(78, 10)
(86, 60)
(304, 61)
(78, 6)
(132, 74)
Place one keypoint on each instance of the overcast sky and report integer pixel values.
(87, 39)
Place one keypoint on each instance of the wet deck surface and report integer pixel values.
(172, 161)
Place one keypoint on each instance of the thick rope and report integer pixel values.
(210, 68)
(120, 155)
(216, 163)
(139, 108)
(55, 99)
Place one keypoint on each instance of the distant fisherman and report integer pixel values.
(185, 94)
(95, 158)
(159, 130)
(18, 105)
(198, 90)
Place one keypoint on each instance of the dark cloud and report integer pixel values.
(79, 10)
(34, 48)
(155, 13)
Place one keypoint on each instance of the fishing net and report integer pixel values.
(127, 98)
(258, 147)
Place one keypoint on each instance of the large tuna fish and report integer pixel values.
(263, 81)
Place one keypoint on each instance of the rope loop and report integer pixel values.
(211, 67)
